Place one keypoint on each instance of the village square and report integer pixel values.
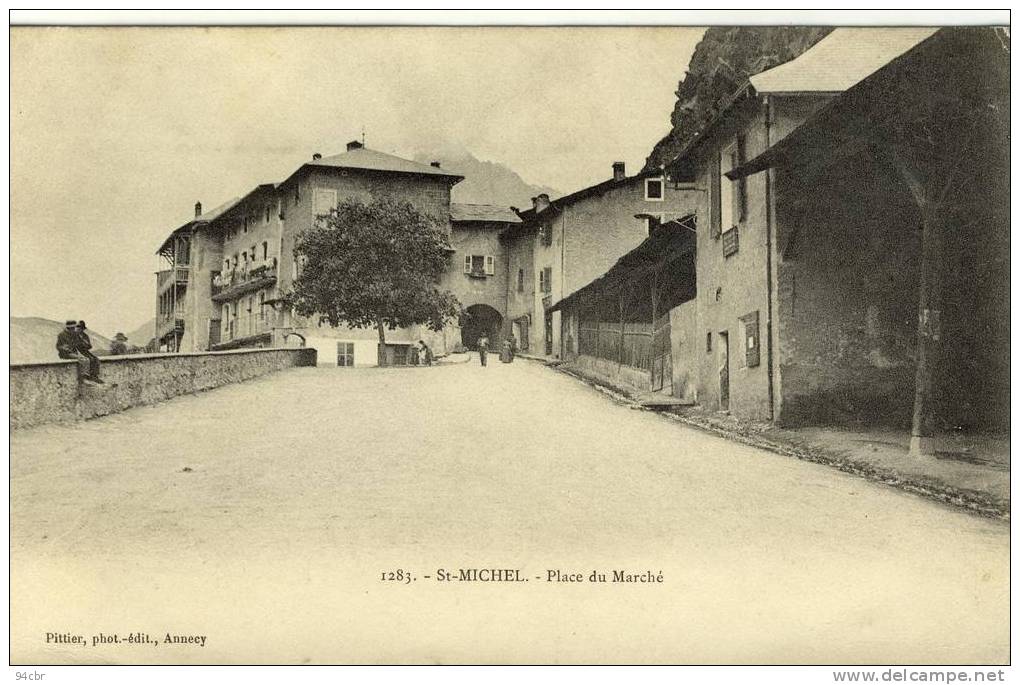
(746, 403)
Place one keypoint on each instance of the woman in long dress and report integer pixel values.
(506, 355)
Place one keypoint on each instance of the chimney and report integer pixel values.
(198, 209)
(619, 172)
(540, 203)
(354, 145)
(317, 155)
(435, 164)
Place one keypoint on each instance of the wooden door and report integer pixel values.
(548, 333)
(724, 371)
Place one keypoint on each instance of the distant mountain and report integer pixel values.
(35, 340)
(141, 336)
(487, 183)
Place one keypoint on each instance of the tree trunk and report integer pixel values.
(381, 328)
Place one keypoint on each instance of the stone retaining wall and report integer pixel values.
(50, 392)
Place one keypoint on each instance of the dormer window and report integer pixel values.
(654, 188)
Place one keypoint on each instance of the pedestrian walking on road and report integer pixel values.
(483, 348)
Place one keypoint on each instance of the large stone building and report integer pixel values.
(228, 268)
(850, 262)
(563, 244)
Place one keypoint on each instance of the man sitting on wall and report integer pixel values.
(65, 341)
(71, 345)
(87, 360)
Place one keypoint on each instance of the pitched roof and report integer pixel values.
(363, 158)
(216, 212)
(964, 66)
(597, 189)
(671, 240)
(493, 213)
(840, 60)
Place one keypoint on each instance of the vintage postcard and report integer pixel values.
(510, 345)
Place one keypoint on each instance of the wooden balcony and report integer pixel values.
(237, 330)
(228, 285)
(168, 277)
(169, 321)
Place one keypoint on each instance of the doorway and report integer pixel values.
(548, 334)
(479, 320)
(724, 371)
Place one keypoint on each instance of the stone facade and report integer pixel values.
(575, 239)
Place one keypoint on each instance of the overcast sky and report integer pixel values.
(116, 133)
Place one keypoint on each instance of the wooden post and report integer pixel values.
(929, 337)
(622, 324)
(929, 314)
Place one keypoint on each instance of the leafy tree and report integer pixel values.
(376, 264)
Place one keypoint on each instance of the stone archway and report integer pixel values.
(479, 319)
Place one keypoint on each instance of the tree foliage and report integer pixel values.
(374, 265)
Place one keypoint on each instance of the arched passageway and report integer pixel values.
(479, 319)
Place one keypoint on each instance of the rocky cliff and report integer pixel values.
(721, 64)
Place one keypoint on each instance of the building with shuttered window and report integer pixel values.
(563, 244)
(226, 269)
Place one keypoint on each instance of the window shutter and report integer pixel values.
(490, 265)
(467, 263)
(716, 222)
(547, 278)
(740, 208)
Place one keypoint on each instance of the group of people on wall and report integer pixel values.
(74, 343)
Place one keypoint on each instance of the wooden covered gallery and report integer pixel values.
(892, 277)
(618, 327)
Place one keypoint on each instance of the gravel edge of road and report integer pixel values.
(971, 501)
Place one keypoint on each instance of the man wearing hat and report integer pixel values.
(119, 345)
(83, 346)
(65, 341)
(69, 345)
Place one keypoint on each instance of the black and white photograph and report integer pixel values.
(622, 338)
